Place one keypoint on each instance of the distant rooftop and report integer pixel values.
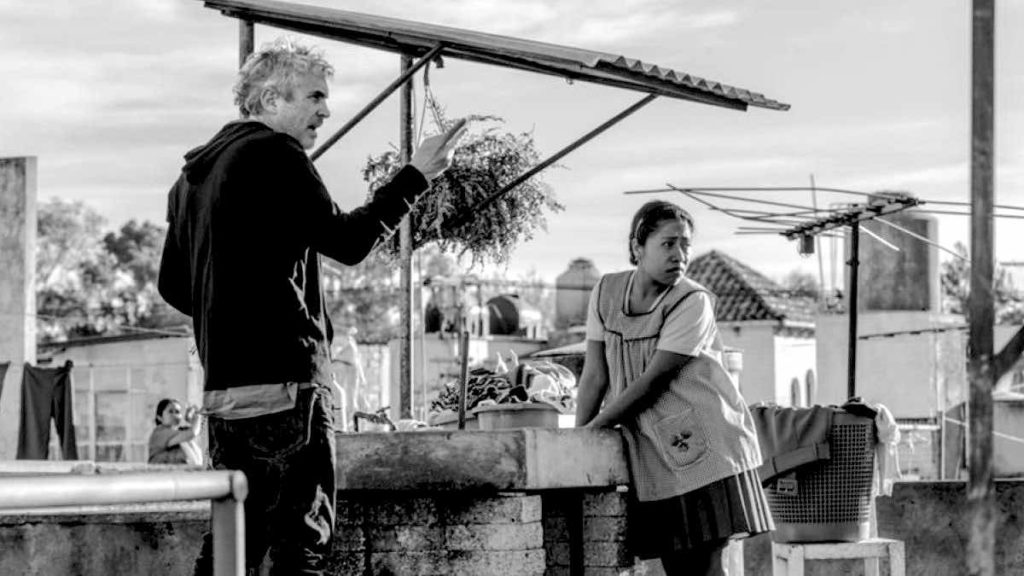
(745, 294)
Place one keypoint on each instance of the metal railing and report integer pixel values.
(226, 489)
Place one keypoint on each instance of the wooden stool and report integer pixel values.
(788, 559)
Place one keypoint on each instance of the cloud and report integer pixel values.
(615, 27)
(585, 23)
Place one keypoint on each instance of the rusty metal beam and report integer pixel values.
(854, 263)
(246, 40)
(399, 82)
(405, 354)
(471, 213)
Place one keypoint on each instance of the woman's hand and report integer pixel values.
(192, 416)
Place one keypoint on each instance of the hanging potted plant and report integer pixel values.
(485, 160)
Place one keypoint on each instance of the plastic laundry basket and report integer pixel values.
(829, 500)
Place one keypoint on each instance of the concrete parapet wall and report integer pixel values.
(933, 521)
(17, 290)
(482, 534)
(164, 543)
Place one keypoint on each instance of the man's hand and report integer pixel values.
(434, 154)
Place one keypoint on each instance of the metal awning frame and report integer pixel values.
(426, 53)
(417, 38)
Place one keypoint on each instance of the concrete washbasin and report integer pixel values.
(444, 460)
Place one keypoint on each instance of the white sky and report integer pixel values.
(110, 93)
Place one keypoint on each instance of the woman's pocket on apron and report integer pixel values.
(681, 438)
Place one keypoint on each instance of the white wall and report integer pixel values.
(1008, 443)
(756, 342)
(770, 361)
(914, 375)
(794, 358)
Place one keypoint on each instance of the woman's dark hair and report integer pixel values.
(647, 219)
(161, 406)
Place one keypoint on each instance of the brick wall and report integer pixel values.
(600, 519)
(472, 535)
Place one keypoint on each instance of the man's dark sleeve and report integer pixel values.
(175, 282)
(348, 237)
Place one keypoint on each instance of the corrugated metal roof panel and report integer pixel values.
(417, 38)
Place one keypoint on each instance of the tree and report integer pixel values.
(800, 283)
(74, 272)
(955, 278)
(137, 247)
(90, 283)
(365, 297)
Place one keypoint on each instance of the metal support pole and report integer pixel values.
(228, 519)
(227, 489)
(469, 214)
(980, 493)
(854, 262)
(573, 503)
(398, 83)
(463, 376)
(246, 40)
(405, 376)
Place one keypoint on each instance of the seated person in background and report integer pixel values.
(173, 441)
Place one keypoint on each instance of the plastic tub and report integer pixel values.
(522, 415)
(450, 421)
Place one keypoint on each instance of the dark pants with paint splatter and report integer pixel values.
(288, 459)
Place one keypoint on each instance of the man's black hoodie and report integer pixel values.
(247, 219)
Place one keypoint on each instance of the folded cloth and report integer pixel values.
(791, 437)
(887, 468)
(858, 407)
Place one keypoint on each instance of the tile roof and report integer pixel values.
(745, 294)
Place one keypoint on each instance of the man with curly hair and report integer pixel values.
(249, 219)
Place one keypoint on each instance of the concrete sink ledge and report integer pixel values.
(524, 459)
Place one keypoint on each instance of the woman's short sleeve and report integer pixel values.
(159, 451)
(595, 331)
(690, 326)
(159, 438)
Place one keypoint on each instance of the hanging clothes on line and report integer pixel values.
(3, 373)
(46, 393)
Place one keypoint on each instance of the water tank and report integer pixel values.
(907, 279)
(572, 293)
(509, 315)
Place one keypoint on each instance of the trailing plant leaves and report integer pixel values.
(483, 163)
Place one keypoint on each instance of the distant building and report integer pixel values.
(1014, 275)
(572, 293)
(118, 381)
(773, 329)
